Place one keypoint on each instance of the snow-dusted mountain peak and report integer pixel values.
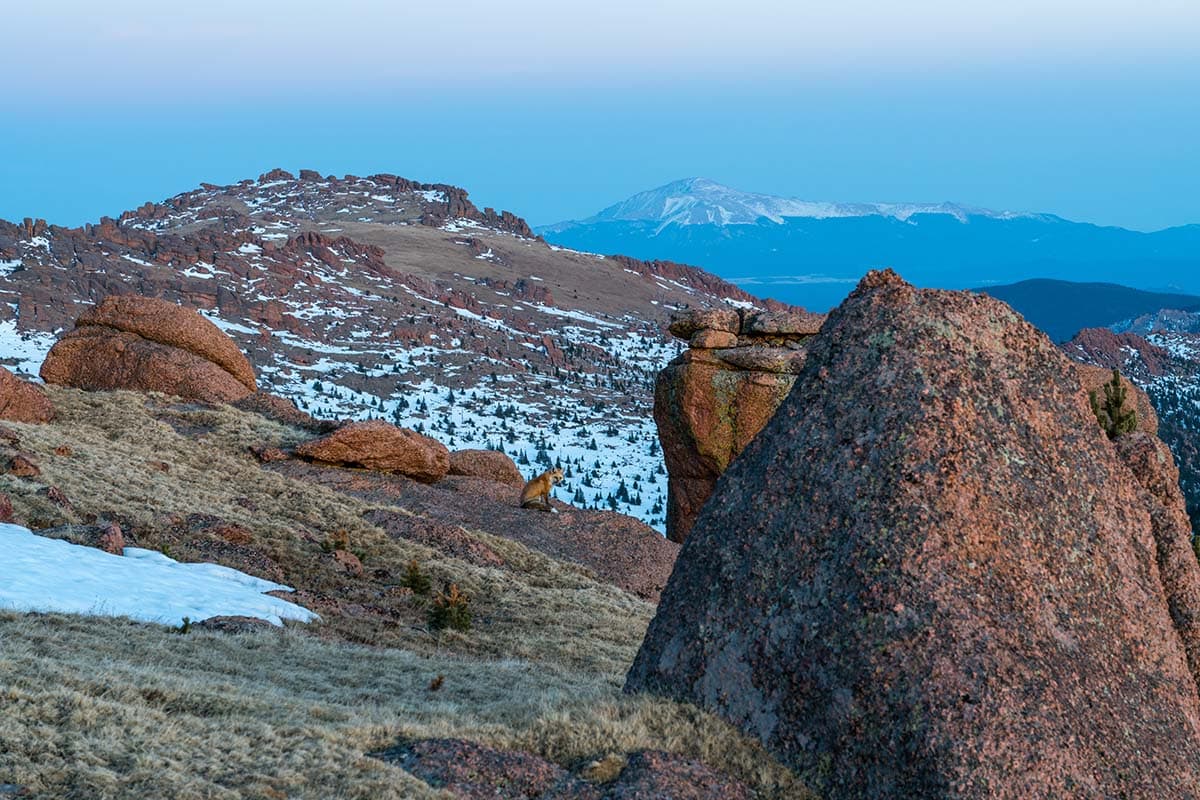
(703, 201)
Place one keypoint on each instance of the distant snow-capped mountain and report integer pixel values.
(702, 201)
(812, 253)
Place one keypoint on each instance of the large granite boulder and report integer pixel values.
(490, 464)
(147, 344)
(22, 401)
(380, 446)
(932, 575)
(714, 399)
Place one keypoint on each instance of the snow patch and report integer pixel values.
(51, 575)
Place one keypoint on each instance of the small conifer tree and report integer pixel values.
(1111, 413)
(451, 609)
(415, 579)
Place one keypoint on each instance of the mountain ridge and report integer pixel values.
(810, 254)
(699, 200)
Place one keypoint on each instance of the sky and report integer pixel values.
(553, 110)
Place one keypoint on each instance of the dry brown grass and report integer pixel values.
(535, 608)
(108, 708)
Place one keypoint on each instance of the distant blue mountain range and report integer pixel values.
(813, 253)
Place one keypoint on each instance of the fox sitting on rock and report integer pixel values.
(536, 493)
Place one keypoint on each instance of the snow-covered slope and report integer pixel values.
(701, 201)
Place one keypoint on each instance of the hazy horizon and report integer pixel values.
(1084, 110)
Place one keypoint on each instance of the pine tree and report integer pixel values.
(1113, 418)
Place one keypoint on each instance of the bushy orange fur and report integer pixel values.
(536, 493)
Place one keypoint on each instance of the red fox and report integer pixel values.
(536, 493)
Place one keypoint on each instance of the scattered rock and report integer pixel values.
(268, 454)
(232, 533)
(376, 445)
(146, 344)
(686, 324)
(23, 465)
(233, 624)
(932, 566)
(656, 775)
(108, 538)
(1107, 348)
(474, 772)
(490, 464)
(55, 495)
(9, 437)
(615, 548)
(22, 401)
(111, 539)
(64, 451)
(349, 562)
(477, 772)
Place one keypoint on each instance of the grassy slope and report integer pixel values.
(107, 708)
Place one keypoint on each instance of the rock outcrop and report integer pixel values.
(490, 464)
(933, 576)
(147, 344)
(715, 397)
(1106, 348)
(376, 445)
(22, 401)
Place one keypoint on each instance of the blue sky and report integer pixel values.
(553, 110)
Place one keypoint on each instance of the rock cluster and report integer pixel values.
(714, 398)
(147, 344)
(932, 575)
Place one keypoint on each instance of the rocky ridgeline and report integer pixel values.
(932, 574)
(431, 204)
(712, 400)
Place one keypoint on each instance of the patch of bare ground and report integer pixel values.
(107, 708)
